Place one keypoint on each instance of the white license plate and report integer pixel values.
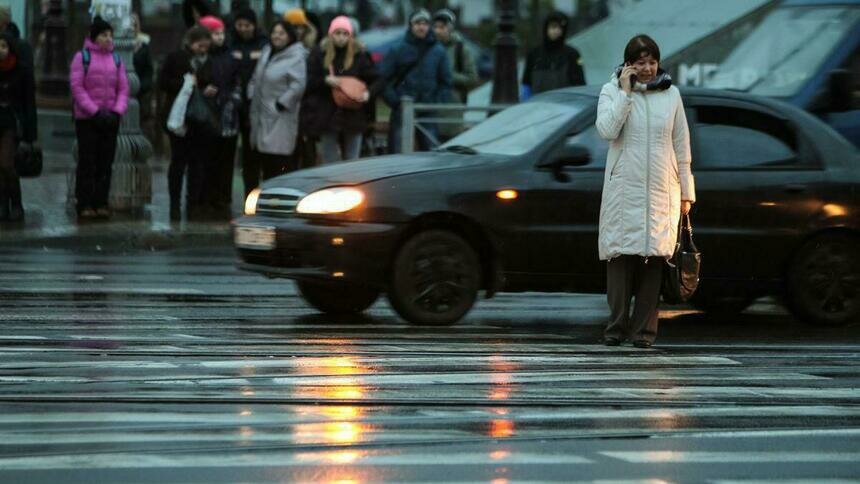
(261, 238)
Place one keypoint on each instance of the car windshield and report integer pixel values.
(516, 130)
(785, 51)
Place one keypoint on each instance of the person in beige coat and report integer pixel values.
(647, 186)
(275, 91)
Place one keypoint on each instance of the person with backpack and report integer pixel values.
(418, 67)
(17, 124)
(339, 128)
(193, 151)
(553, 64)
(464, 73)
(100, 92)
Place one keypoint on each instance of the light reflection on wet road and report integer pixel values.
(174, 367)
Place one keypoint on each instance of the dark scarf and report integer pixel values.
(661, 81)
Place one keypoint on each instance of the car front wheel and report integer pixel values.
(823, 283)
(435, 278)
(338, 298)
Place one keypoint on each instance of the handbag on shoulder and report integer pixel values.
(28, 160)
(351, 93)
(681, 273)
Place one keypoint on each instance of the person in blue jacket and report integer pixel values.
(416, 67)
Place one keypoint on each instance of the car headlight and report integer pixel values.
(251, 202)
(331, 200)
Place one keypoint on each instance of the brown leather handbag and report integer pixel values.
(351, 93)
(681, 274)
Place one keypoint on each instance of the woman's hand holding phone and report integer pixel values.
(628, 77)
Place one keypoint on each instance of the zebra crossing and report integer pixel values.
(175, 367)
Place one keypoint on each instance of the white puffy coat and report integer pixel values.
(281, 79)
(647, 170)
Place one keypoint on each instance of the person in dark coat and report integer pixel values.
(246, 46)
(416, 67)
(17, 108)
(554, 64)
(225, 76)
(339, 129)
(24, 51)
(193, 151)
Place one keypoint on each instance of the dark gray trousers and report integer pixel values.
(628, 276)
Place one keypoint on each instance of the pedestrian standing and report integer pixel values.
(193, 152)
(647, 186)
(17, 124)
(246, 46)
(100, 92)
(464, 73)
(307, 32)
(340, 129)
(276, 92)
(225, 78)
(418, 67)
(553, 64)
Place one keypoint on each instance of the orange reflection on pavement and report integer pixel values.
(499, 454)
(501, 428)
(332, 456)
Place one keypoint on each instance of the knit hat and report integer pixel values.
(296, 16)
(98, 26)
(445, 15)
(212, 23)
(340, 23)
(246, 14)
(420, 15)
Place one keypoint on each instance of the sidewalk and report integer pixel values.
(51, 223)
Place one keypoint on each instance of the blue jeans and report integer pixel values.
(331, 146)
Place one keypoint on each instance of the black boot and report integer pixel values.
(16, 210)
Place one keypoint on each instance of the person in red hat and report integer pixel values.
(228, 99)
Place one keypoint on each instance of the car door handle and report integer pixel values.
(795, 188)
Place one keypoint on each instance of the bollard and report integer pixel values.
(407, 125)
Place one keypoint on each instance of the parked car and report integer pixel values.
(513, 203)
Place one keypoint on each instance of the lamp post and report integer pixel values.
(505, 85)
(54, 82)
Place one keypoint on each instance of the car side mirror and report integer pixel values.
(840, 90)
(568, 155)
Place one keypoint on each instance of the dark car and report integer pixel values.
(512, 205)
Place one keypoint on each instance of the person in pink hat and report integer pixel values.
(218, 187)
(338, 128)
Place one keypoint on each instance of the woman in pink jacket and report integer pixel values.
(100, 93)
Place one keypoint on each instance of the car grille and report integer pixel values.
(278, 202)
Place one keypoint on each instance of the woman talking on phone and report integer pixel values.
(647, 186)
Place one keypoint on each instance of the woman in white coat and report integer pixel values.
(275, 91)
(647, 186)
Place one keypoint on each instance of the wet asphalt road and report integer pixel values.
(174, 367)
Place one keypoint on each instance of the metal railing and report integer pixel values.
(410, 123)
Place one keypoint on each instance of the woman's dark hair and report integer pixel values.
(293, 37)
(641, 46)
(196, 34)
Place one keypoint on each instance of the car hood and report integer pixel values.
(377, 168)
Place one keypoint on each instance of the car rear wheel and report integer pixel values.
(338, 298)
(435, 278)
(823, 282)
